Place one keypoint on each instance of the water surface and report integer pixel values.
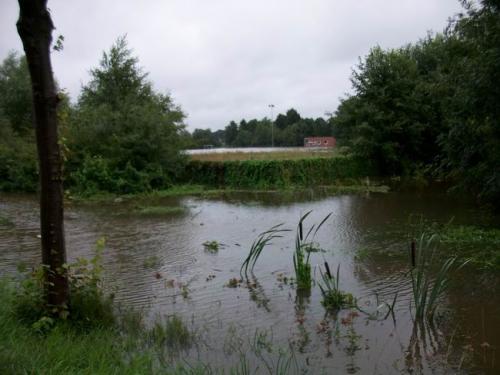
(158, 265)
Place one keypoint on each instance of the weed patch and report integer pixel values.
(160, 210)
(333, 297)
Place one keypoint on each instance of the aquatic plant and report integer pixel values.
(211, 246)
(258, 245)
(427, 289)
(6, 222)
(160, 210)
(151, 262)
(333, 297)
(233, 282)
(302, 253)
(171, 332)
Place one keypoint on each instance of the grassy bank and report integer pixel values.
(290, 154)
(63, 350)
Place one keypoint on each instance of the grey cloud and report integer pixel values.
(226, 59)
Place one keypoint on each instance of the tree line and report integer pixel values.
(287, 130)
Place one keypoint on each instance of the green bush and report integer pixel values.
(18, 163)
(89, 307)
(275, 173)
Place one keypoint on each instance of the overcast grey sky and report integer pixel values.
(229, 59)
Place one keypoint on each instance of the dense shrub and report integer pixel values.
(276, 173)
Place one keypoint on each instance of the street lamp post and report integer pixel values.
(272, 124)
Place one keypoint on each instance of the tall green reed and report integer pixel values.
(427, 288)
(301, 256)
(258, 245)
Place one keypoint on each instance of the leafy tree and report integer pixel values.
(292, 116)
(281, 121)
(16, 100)
(205, 137)
(472, 144)
(123, 121)
(230, 133)
(18, 162)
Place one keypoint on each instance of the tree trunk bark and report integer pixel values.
(35, 29)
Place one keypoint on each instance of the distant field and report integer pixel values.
(269, 155)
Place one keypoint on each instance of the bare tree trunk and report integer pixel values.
(35, 29)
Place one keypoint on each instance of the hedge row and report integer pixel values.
(275, 173)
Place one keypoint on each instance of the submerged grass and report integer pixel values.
(5, 222)
(171, 332)
(160, 210)
(152, 262)
(212, 246)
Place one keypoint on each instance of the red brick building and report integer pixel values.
(319, 142)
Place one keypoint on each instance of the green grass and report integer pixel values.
(160, 210)
(174, 191)
(480, 245)
(341, 186)
(5, 222)
(62, 349)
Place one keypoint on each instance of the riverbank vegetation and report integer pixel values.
(276, 173)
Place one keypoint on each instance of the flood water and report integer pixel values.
(157, 264)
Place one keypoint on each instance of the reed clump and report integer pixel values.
(303, 249)
(333, 297)
(429, 287)
(264, 239)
